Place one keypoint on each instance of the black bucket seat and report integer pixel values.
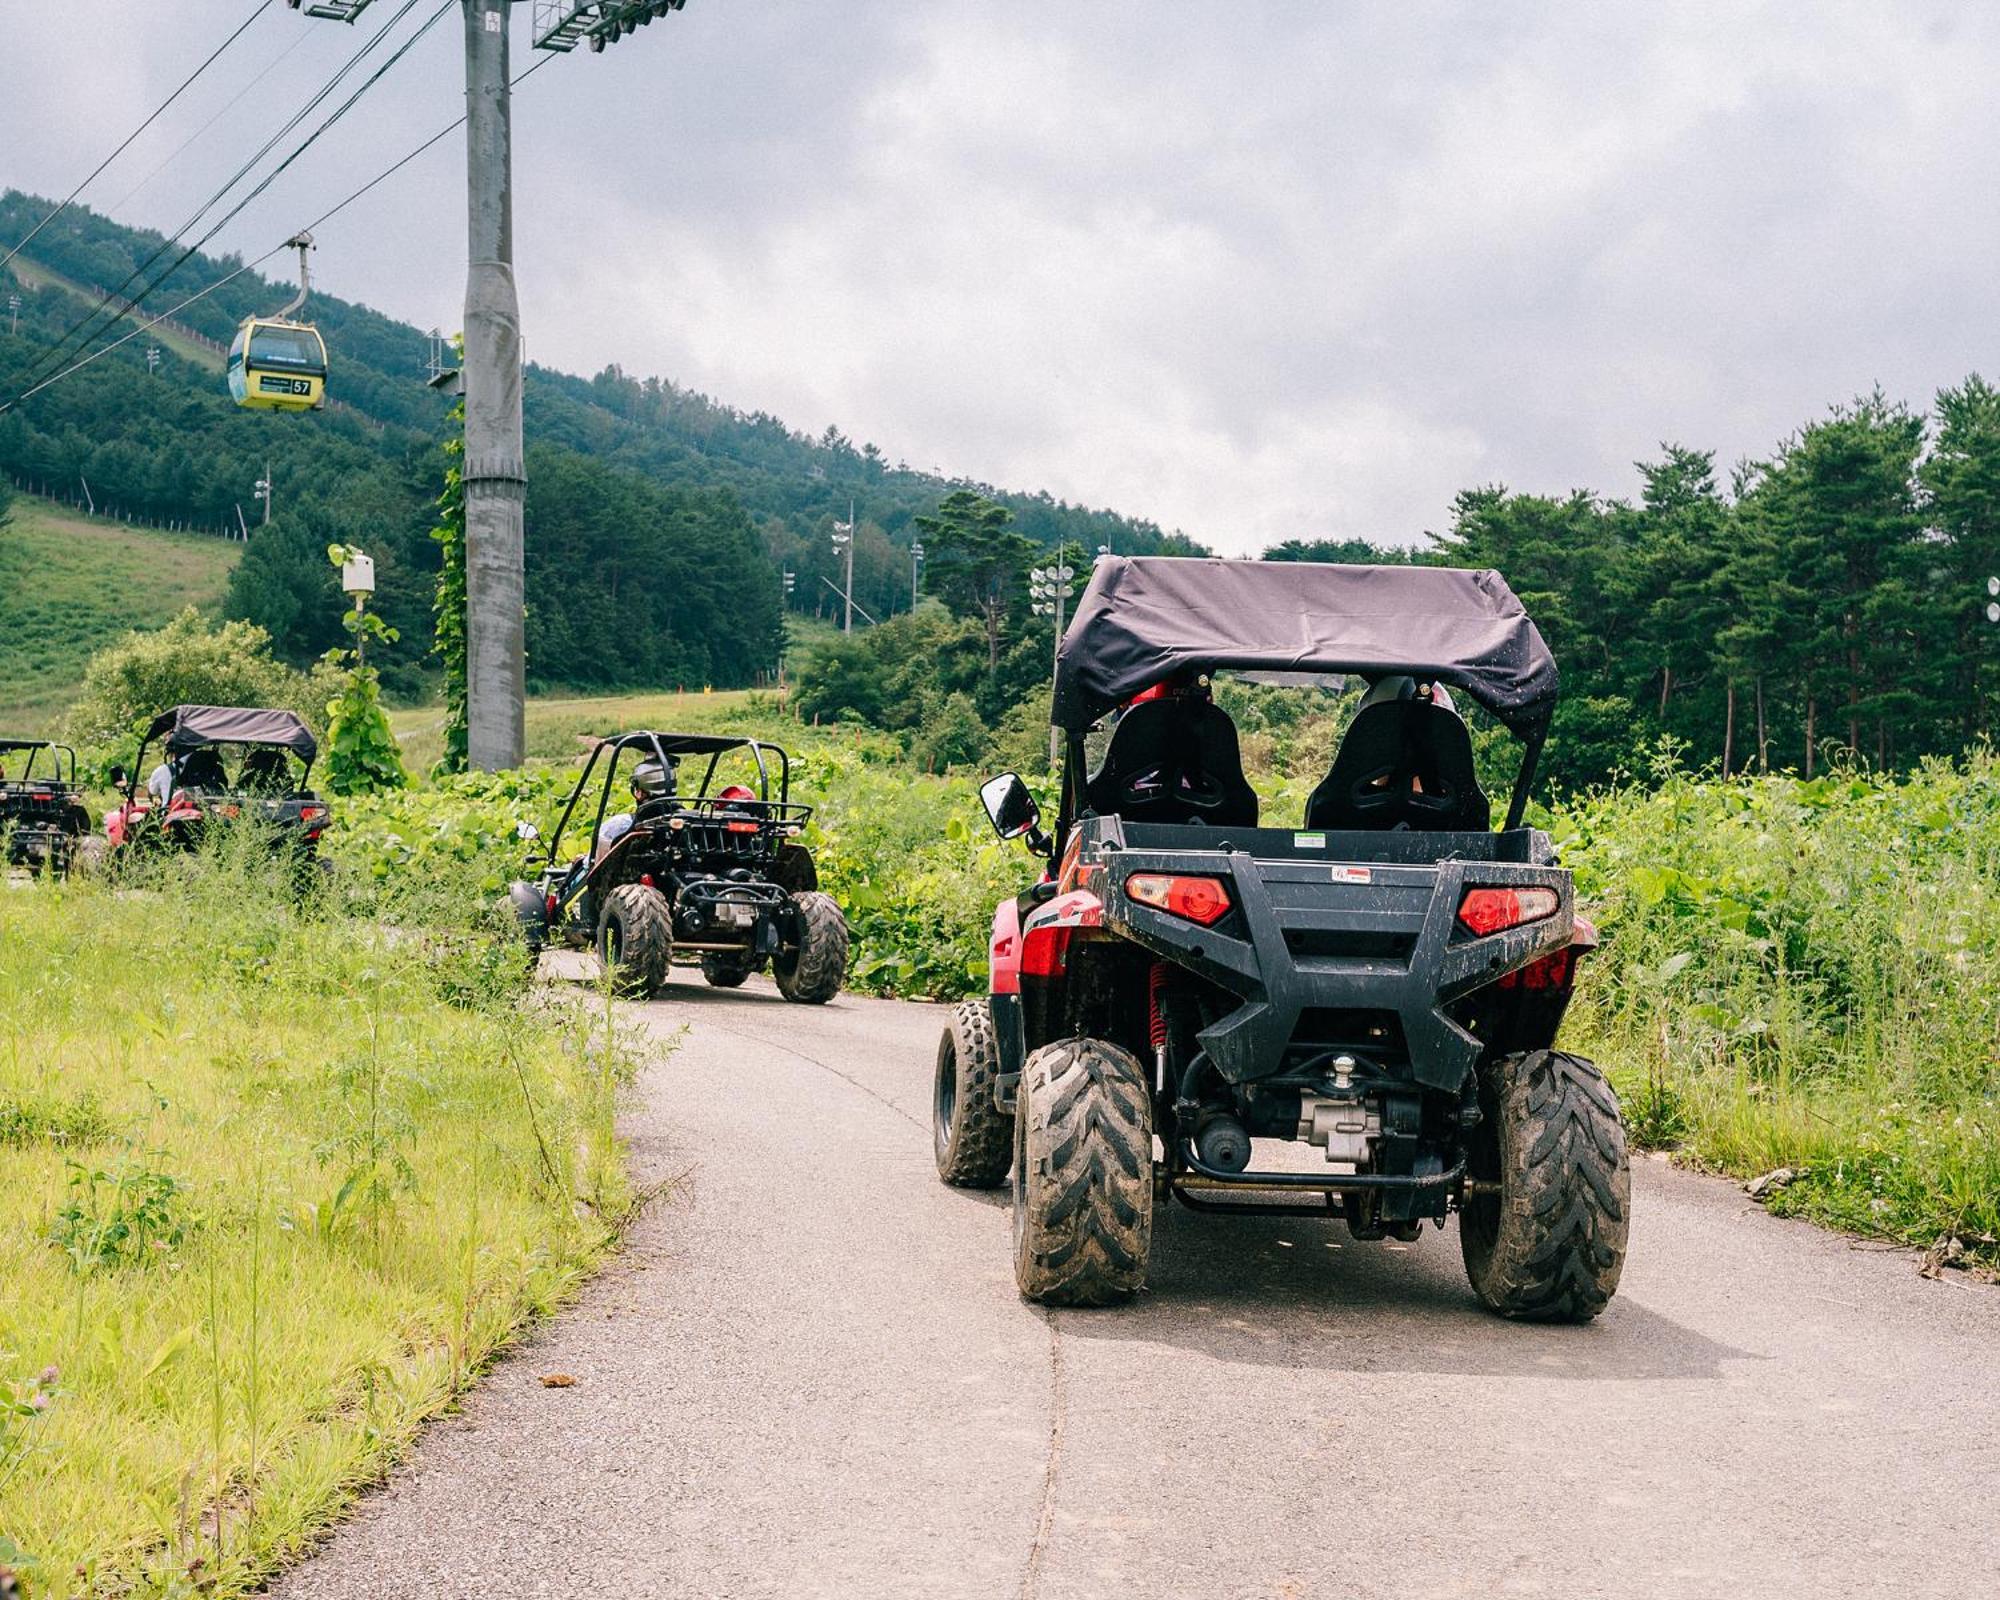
(1174, 761)
(1402, 764)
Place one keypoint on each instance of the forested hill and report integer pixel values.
(658, 517)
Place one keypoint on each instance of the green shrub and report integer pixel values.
(186, 662)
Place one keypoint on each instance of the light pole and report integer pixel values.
(1049, 588)
(843, 544)
(916, 562)
(789, 578)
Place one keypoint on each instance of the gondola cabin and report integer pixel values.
(276, 365)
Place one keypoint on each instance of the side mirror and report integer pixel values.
(1010, 806)
(527, 831)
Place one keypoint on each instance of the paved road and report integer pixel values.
(810, 1375)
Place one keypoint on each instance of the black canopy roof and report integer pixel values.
(189, 727)
(1144, 618)
(688, 744)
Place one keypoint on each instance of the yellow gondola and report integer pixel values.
(276, 363)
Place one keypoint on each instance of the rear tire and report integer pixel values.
(1083, 1175)
(635, 940)
(1550, 1246)
(811, 972)
(972, 1138)
(727, 972)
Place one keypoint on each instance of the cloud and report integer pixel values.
(1254, 271)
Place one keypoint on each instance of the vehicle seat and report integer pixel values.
(1174, 761)
(201, 769)
(265, 772)
(1388, 744)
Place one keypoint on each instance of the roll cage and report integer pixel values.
(35, 747)
(669, 748)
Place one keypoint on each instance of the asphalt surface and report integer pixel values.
(809, 1375)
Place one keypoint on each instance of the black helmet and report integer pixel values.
(652, 779)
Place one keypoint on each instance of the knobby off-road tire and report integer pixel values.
(1083, 1175)
(811, 973)
(635, 940)
(1549, 1247)
(727, 972)
(972, 1137)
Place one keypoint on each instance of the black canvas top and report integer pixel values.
(189, 727)
(1144, 618)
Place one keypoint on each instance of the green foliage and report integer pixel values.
(975, 563)
(362, 755)
(1807, 974)
(950, 733)
(449, 606)
(361, 750)
(131, 1217)
(187, 662)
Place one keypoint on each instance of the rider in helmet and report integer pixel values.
(651, 780)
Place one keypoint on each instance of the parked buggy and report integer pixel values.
(1383, 979)
(701, 874)
(220, 765)
(43, 821)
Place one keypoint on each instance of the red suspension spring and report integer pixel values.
(1156, 1021)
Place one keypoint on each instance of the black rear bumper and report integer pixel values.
(1404, 914)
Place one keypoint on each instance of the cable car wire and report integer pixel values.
(88, 324)
(186, 83)
(304, 36)
(250, 266)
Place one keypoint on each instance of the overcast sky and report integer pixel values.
(1255, 271)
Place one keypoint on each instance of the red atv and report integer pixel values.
(1186, 986)
(193, 789)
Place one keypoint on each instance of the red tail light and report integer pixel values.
(1485, 911)
(740, 827)
(307, 813)
(1202, 900)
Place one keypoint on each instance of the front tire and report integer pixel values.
(810, 973)
(972, 1138)
(1550, 1245)
(635, 940)
(1083, 1175)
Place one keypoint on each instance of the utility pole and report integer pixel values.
(843, 541)
(13, 313)
(263, 493)
(916, 562)
(495, 470)
(152, 358)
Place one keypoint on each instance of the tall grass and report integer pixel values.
(1807, 975)
(275, 1181)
